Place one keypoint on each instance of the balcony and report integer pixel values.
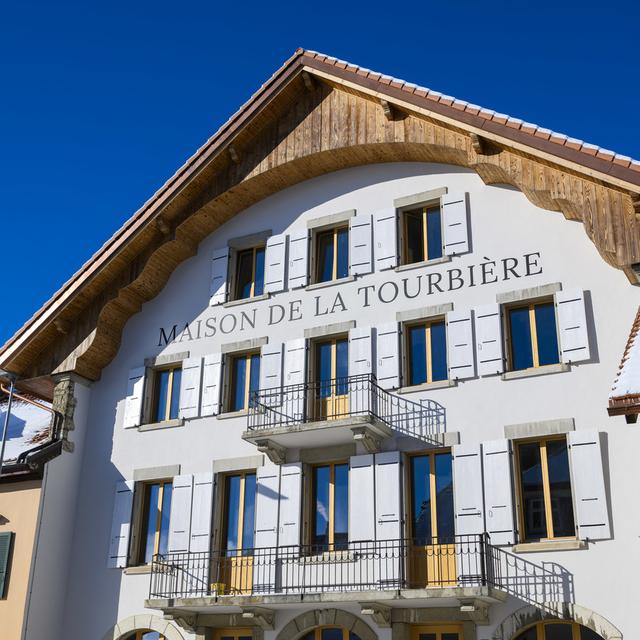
(462, 569)
(337, 411)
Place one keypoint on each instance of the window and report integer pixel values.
(330, 507)
(546, 503)
(330, 633)
(249, 273)
(533, 335)
(426, 352)
(239, 513)
(155, 520)
(245, 379)
(422, 232)
(557, 630)
(331, 368)
(437, 632)
(166, 394)
(6, 538)
(145, 635)
(332, 254)
(233, 634)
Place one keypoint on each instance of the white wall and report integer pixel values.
(504, 224)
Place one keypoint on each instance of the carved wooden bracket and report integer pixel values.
(308, 81)
(233, 154)
(387, 109)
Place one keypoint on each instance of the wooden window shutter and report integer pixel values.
(6, 538)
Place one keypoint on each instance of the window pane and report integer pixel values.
(162, 389)
(174, 408)
(164, 518)
(323, 368)
(438, 351)
(244, 274)
(341, 506)
(560, 489)
(558, 631)
(258, 290)
(547, 335)
(325, 256)
(233, 508)
(444, 498)
(238, 383)
(421, 500)
(321, 499)
(450, 636)
(249, 511)
(152, 521)
(331, 634)
(417, 355)
(342, 366)
(254, 378)
(151, 635)
(427, 636)
(434, 233)
(343, 253)
(535, 521)
(587, 634)
(529, 634)
(414, 236)
(521, 354)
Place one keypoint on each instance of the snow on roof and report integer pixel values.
(627, 381)
(28, 426)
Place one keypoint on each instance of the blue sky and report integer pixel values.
(101, 102)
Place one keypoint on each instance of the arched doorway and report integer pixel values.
(557, 630)
(143, 634)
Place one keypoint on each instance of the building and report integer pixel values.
(346, 376)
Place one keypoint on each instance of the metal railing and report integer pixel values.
(345, 397)
(305, 569)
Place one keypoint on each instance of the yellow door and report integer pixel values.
(433, 548)
(330, 396)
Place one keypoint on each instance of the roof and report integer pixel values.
(125, 250)
(29, 426)
(624, 398)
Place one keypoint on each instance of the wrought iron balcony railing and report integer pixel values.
(346, 397)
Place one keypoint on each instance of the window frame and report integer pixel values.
(141, 519)
(237, 253)
(427, 323)
(539, 627)
(153, 416)
(224, 519)
(230, 380)
(403, 215)
(546, 488)
(317, 632)
(317, 235)
(438, 629)
(535, 352)
(232, 632)
(332, 503)
(140, 633)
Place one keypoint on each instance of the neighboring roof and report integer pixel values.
(624, 398)
(29, 426)
(599, 165)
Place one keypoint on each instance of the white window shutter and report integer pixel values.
(271, 366)
(267, 502)
(121, 525)
(498, 491)
(587, 485)
(388, 503)
(290, 504)
(489, 347)
(275, 264)
(460, 345)
(362, 520)
(180, 516)
(385, 235)
(295, 360)
(201, 512)
(219, 276)
(572, 326)
(211, 384)
(467, 489)
(360, 245)
(454, 222)
(360, 351)
(298, 259)
(134, 399)
(388, 355)
(190, 385)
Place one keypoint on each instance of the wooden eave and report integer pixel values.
(314, 115)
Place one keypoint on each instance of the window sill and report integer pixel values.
(235, 303)
(424, 263)
(561, 367)
(167, 424)
(227, 415)
(329, 283)
(428, 386)
(549, 545)
(140, 570)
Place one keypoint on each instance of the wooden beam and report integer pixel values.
(233, 153)
(478, 143)
(163, 227)
(387, 109)
(308, 81)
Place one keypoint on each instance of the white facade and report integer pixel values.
(521, 247)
